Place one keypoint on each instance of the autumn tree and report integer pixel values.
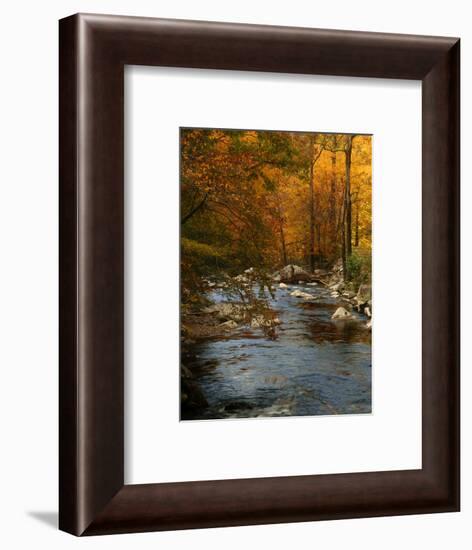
(264, 199)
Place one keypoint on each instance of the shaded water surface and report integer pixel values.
(316, 366)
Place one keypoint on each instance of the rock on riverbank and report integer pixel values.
(292, 274)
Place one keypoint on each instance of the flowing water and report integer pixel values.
(316, 366)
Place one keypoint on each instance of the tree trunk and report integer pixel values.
(356, 234)
(343, 255)
(343, 237)
(332, 199)
(280, 220)
(312, 202)
(347, 198)
(284, 246)
(194, 210)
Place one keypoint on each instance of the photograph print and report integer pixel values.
(275, 273)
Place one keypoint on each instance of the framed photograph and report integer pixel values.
(273, 339)
(259, 274)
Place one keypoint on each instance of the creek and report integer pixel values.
(316, 366)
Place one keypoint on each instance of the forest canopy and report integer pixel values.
(266, 199)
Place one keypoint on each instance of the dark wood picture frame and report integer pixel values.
(94, 50)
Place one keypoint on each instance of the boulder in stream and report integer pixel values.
(293, 274)
(336, 287)
(299, 294)
(342, 314)
(229, 324)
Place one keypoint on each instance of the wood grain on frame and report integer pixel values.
(93, 52)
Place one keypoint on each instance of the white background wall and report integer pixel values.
(28, 272)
